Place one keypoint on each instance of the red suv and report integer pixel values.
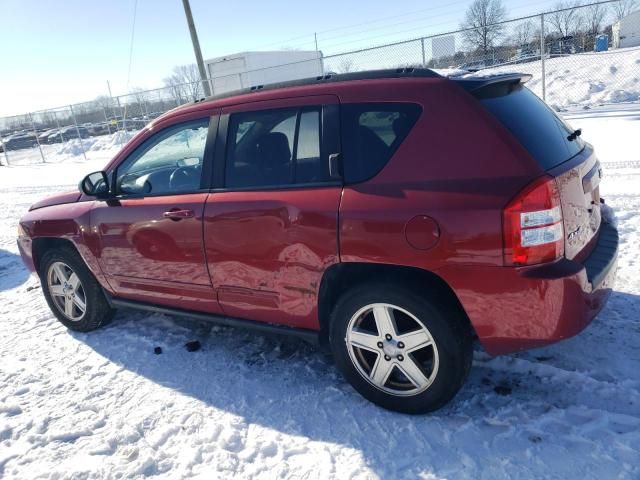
(394, 215)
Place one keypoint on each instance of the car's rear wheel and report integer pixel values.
(73, 294)
(403, 351)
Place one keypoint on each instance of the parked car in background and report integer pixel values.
(98, 129)
(481, 63)
(392, 215)
(47, 136)
(68, 133)
(132, 124)
(525, 54)
(19, 141)
(565, 46)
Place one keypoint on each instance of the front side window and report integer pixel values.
(168, 163)
(275, 147)
(371, 133)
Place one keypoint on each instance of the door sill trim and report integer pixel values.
(309, 336)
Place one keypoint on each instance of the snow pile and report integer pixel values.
(585, 79)
(75, 147)
(119, 138)
(103, 147)
(103, 405)
(110, 142)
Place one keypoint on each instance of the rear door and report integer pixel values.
(270, 226)
(559, 150)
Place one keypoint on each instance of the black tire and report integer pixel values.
(97, 312)
(446, 325)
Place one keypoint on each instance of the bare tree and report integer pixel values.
(140, 100)
(524, 33)
(103, 101)
(482, 24)
(565, 18)
(593, 18)
(346, 65)
(184, 82)
(623, 8)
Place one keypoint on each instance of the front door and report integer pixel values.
(270, 227)
(150, 235)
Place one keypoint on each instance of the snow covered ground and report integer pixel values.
(102, 405)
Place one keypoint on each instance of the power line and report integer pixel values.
(133, 31)
(344, 27)
(326, 47)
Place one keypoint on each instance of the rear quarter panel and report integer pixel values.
(454, 167)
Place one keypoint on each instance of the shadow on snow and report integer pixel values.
(291, 387)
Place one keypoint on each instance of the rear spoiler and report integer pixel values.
(479, 86)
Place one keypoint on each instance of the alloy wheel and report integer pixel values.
(66, 291)
(392, 349)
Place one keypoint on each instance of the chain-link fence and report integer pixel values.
(579, 57)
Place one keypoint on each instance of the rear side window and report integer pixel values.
(370, 135)
(540, 131)
(271, 148)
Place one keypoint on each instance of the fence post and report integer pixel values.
(106, 119)
(55, 116)
(424, 58)
(4, 149)
(123, 113)
(542, 55)
(145, 107)
(33, 128)
(75, 122)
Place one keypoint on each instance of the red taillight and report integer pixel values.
(532, 225)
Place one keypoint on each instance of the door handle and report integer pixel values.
(178, 214)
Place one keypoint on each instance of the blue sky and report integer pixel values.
(60, 52)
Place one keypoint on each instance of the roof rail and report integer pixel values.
(331, 78)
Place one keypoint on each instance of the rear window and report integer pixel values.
(371, 133)
(534, 124)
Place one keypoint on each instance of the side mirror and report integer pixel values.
(95, 184)
(189, 162)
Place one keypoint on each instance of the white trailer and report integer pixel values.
(250, 69)
(626, 31)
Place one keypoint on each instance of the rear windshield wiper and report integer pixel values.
(574, 135)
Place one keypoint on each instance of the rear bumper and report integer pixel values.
(515, 309)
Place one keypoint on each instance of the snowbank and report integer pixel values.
(586, 79)
(102, 147)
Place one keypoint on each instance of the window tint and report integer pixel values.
(169, 162)
(280, 147)
(535, 125)
(371, 133)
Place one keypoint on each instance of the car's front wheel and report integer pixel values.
(72, 292)
(403, 351)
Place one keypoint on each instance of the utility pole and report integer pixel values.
(542, 55)
(196, 48)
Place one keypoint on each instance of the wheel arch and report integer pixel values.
(42, 245)
(338, 278)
